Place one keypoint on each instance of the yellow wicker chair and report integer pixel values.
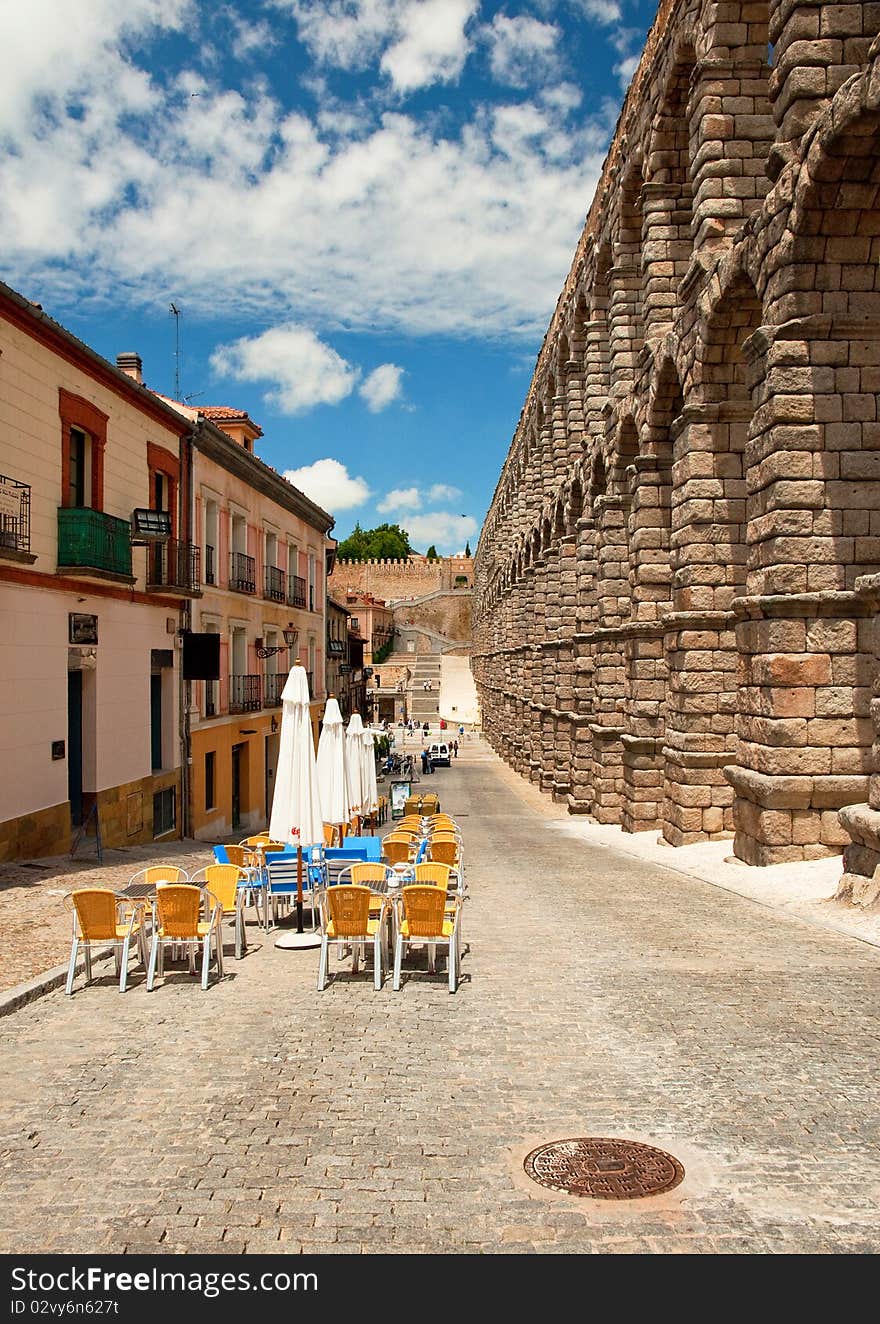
(227, 883)
(428, 917)
(179, 920)
(348, 921)
(160, 873)
(445, 850)
(398, 850)
(100, 916)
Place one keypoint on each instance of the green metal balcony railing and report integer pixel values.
(92, 540)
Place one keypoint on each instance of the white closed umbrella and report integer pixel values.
(370, 789)
(353, 747)
(332, 767)
(296, 816)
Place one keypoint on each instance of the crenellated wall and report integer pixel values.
(667, 623)
(412, 578)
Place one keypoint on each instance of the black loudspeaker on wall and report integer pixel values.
(201, 656)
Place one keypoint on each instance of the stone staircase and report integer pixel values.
(424, 705)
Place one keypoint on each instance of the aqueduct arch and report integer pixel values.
(685, 641)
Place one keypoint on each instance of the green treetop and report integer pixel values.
(388, 542)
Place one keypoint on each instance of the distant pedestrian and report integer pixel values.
(455, 748)
(425, 760)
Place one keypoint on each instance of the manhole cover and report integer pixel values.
(603, 1169)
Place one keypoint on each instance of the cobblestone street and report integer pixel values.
(601, 996)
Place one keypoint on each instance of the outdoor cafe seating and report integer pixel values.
(179, 911)
(101, 917)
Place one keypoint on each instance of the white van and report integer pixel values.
(440, 754)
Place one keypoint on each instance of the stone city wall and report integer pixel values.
(448, 614)
(412, 578)
(669, 632)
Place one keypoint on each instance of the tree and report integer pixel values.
(467, 549)
(431, 553)
(387, 542)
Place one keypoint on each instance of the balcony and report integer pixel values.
(273, 587)
(296, 591)
(15, 521)
(209, 564)
(273, 684)
(94, 544)
(175, 566)
(244, 694)
(243, 573)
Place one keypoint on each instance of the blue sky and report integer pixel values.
(364, 210)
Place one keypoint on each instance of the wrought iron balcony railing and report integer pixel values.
(273, 588)
(244, 694)
(243, 573)
(296, 591)
(15, 515)
(174, 565)
(90, 540)
(273, 684)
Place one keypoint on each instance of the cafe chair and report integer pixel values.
(100, 916)
(348, 921)
(381, 881)
(281, 885)
(248, 861)
(428, 916)
(179, 919)
(445, 849)
(156, 874)
(228, 884)
(397, 850)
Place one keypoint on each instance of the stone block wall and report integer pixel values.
(392, 580)
(674, 622)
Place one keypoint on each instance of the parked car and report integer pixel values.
(440, 754)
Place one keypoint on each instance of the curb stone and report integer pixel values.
(19, 996)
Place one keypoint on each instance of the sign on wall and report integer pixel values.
(83, 629)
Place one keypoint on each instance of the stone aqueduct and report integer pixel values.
(674, 595)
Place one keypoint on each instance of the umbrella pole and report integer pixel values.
(299, 889)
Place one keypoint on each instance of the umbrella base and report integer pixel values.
(296, 941)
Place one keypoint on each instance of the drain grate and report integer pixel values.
(603, 1169)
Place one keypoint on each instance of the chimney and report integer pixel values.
(131, 365)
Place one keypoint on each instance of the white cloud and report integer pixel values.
(431, 46)
(605, 12)
(417, 42)
(347, 34)
(304, 371)
(626, 68)
(522, 50)
(227, 201)
(329, 483)
(446, 531)
(400, 498)
(443, 492)
(383, 385)
(248, 38)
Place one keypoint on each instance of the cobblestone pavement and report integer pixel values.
(602, 996)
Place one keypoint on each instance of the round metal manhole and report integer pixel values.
(604, 1169)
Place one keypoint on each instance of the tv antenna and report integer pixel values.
(175, 313)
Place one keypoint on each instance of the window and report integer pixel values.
(83, 438)
(80, 450)
(209, 780)
(164, 811)
(311, 582)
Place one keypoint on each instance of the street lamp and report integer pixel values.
(291, 634)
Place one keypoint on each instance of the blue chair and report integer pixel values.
(220, 856)
(281, 874)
